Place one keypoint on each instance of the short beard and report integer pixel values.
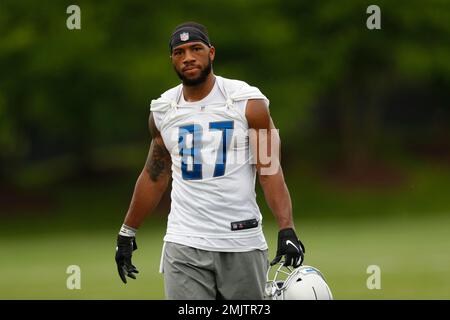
(200, 79)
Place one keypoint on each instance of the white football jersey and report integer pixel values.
(213, 190)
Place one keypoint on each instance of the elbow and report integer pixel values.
(264, 179)
(271, 178)
(162, 183)
(159, 182)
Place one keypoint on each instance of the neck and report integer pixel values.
(198, 92)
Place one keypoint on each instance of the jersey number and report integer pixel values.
(192, 153)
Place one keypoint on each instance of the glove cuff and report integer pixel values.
(124, 240)
(287, 233)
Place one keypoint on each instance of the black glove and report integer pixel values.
(291, 246)
(124, 250)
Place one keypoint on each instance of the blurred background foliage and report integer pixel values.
(364, 115)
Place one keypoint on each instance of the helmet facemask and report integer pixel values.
(302, 283)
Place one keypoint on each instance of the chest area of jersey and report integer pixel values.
(206, 145)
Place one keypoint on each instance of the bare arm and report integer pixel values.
(272, 181)
(152, 181)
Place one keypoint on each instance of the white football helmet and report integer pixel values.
(303, 283)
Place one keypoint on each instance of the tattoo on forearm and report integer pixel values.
(158, 161)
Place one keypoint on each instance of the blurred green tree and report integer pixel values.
(66, 92)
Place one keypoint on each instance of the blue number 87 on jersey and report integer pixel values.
(192, 153)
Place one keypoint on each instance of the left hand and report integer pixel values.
(291, 247)
(124, 251)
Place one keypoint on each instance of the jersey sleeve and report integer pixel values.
(157, 117)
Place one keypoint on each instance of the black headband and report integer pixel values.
(187, 34)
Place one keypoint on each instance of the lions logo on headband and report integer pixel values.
(184, 36)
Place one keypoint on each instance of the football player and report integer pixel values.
(212, 135)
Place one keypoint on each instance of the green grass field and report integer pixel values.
(414, 257)
(404, 231)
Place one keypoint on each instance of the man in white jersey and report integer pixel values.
(206, 133)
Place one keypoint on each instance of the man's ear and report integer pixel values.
(212, 53)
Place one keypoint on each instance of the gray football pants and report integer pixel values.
(191, 273)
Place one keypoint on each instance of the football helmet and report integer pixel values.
(302, 283)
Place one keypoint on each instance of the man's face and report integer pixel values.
(193, 62)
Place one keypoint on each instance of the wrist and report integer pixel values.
(286, 224)
(127, 231)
